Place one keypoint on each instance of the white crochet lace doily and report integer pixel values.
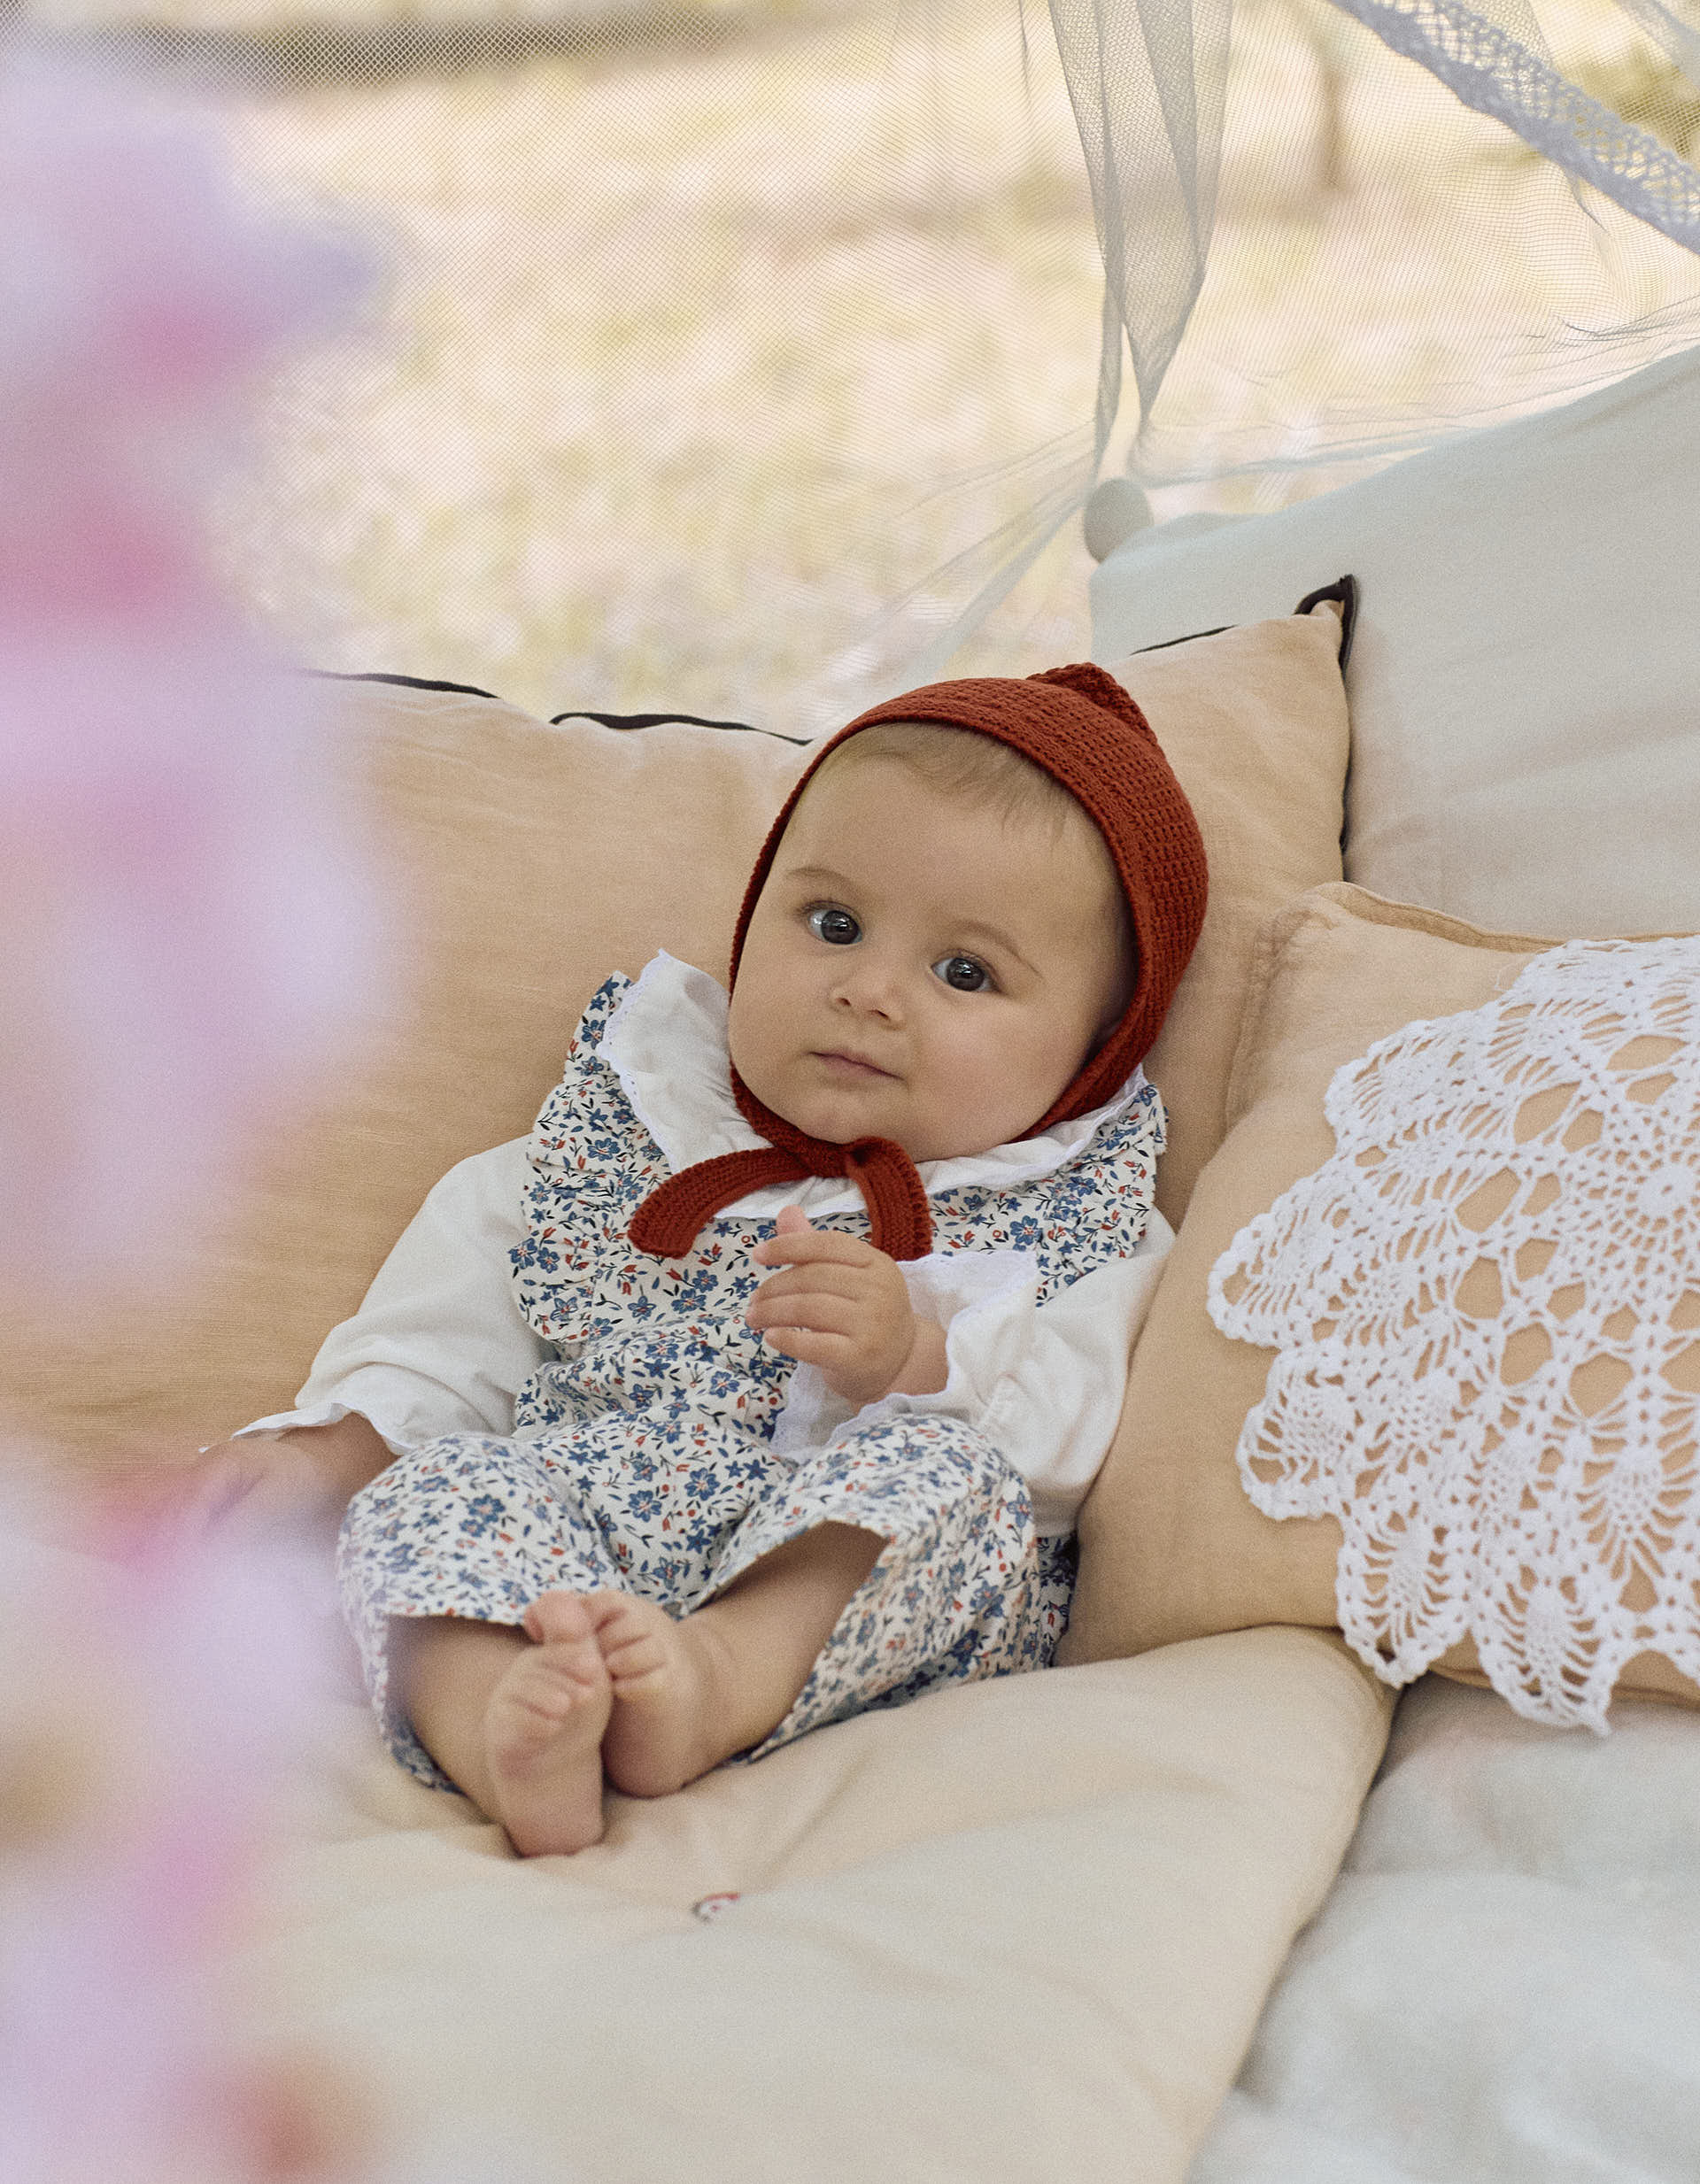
(1482, 1303)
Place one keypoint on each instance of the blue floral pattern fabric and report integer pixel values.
(642, 1455)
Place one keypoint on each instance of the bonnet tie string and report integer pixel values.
(670, 1219)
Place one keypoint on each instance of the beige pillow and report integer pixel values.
(1171, 1547)
(1253, 722)
(527, 862)
(523, 862)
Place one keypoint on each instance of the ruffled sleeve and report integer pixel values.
(439, 1345)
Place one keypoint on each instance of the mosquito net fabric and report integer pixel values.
(749, 361)
(1397, 250)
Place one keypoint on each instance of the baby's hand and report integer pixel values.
(843, 1305)
(298, 1482)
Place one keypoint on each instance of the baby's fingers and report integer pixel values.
(810, 1345)
(816, 1247)
(833, 1279)
(819, 1310)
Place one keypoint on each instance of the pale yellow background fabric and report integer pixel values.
(1170, 1546)
(523, 863)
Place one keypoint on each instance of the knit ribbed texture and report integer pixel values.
(670, 1219)
(1079, 726)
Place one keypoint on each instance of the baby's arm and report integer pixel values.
(1048, 1380)
(439, 1345)
(842, 1306)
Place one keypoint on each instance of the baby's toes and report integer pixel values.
(631, 1635)
(558, 1619)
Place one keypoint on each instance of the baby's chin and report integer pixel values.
(832, 1125)
(836, 1119)
(921, 1147)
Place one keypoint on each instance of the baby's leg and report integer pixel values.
(964, 1589)
(687, 1694)
(514, 1718)
(438, 1560)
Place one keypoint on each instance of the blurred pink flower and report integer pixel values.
(184, 930)
(153, 1724)
(185, 924)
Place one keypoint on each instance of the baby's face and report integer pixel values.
(921, 968)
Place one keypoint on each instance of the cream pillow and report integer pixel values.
(1019, 1915)
(525, 861)
(1171, 1547)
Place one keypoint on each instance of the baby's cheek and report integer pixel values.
(737, 1045)
(752, 1046)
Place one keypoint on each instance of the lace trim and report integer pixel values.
(1498, 75)
(1486, 1305)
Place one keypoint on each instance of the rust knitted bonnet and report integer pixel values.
(1078, 725)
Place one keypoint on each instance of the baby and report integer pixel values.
(762, 1385)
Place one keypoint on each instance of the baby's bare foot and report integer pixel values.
(662, 1730)
(544, 1728)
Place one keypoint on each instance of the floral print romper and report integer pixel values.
(641, 1458)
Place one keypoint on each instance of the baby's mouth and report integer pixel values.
(850, 1065)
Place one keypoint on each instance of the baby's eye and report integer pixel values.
(835, 926)
(963, 973)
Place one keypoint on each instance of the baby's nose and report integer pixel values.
(871, 986)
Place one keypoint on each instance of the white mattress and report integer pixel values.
(1505, 1985)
